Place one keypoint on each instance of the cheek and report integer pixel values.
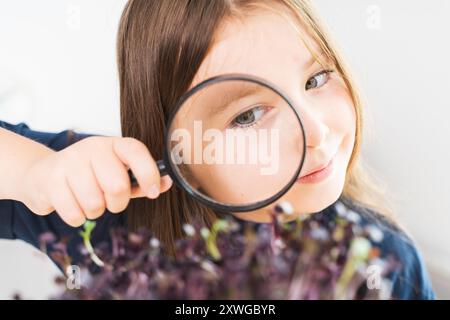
(341, 115)
(342, 119)
(338, 112)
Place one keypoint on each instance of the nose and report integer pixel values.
(316, 130)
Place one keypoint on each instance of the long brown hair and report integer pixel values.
(161, 45)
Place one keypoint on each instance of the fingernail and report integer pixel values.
(165, 181)
(154, 192)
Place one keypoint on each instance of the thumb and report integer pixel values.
(165, 184)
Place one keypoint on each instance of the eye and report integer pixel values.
(318, 80)
(248, 118)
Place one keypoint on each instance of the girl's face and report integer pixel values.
(267, 46)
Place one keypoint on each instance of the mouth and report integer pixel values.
(319, 173)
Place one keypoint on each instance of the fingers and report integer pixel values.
(113, 179)
(91, 176)
(86, 189)
(66, 205)
(137, 157)
(41, 205)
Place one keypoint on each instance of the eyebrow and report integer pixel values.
(236, 97)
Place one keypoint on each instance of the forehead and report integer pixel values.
(266, 45)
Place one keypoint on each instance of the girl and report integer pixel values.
(164, 49)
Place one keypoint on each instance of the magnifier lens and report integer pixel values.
(236, 143)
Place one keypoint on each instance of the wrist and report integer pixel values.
(26, 178)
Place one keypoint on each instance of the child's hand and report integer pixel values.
(86, 178)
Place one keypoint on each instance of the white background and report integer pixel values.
(58, 71)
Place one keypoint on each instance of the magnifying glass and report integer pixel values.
(234, 142)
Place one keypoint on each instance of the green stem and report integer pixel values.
(86, 235)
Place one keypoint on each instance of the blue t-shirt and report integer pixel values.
(18, 222)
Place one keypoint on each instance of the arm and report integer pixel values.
(58, 191)
(21, 146)
(18, 154)
(78, 182)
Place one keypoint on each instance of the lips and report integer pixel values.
(318, 168)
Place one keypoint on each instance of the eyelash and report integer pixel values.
(323, 72)
(265, 109)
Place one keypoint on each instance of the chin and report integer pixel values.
(316, 197)
(321, 201)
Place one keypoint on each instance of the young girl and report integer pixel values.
(54, 182)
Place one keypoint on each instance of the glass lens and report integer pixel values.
(236, 143)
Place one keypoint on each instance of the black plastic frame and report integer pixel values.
(167, 167)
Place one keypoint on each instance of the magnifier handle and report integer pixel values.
(162, 171)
